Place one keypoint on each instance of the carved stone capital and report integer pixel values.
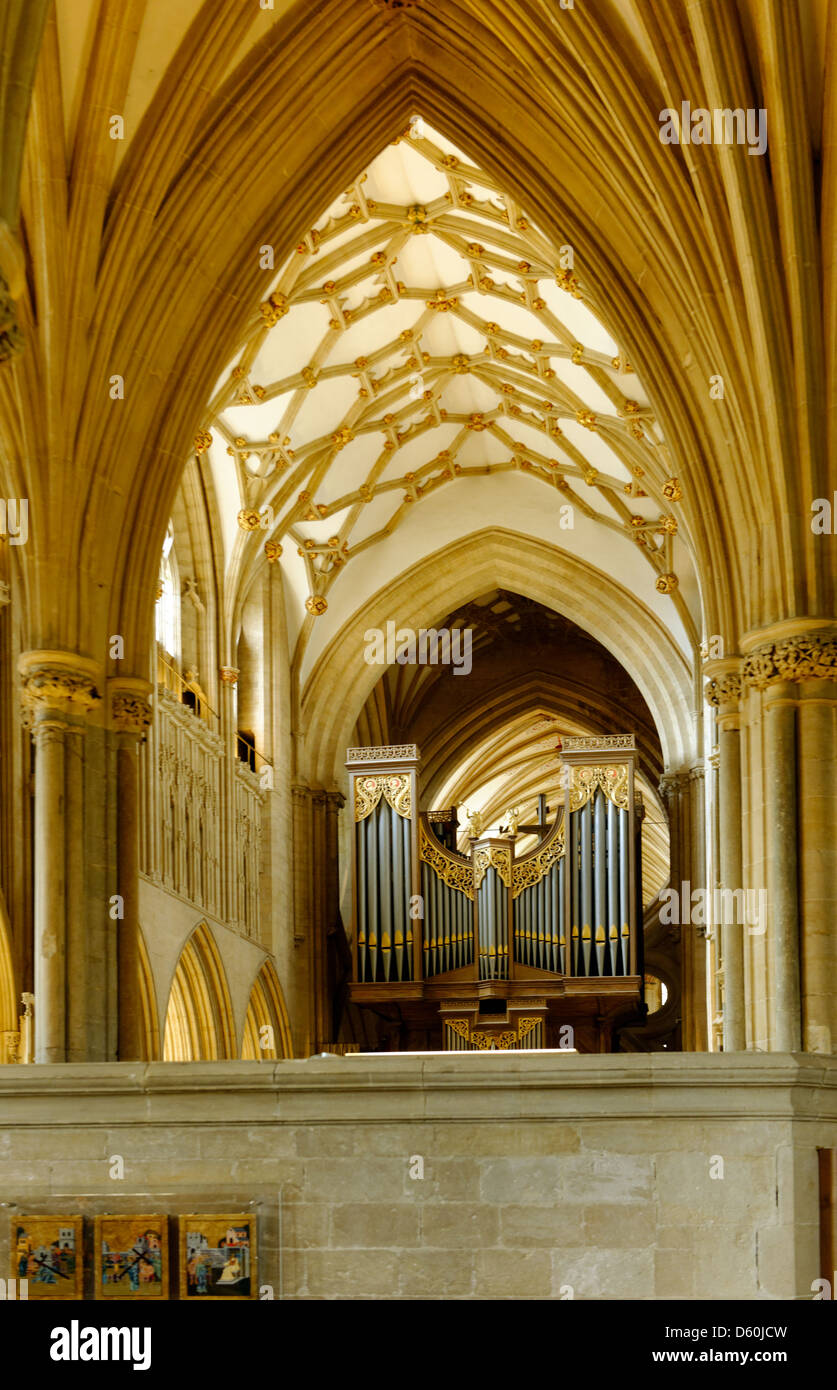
(724, 686)
(130, 712)
(57, 682)
(671, 784)
(229, 675)
(808, 657)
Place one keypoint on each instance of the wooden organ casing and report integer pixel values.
(489, 949)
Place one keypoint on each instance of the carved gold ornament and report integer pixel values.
(229, 675)
(382, 753)
(453, 870)
(316, 605)
(274, 308)
(565, 280)
(203, 440)
(527, 872)
(672, 490)
(417, 217)
(666, 583)
(487, 1042)
(394, 787)
(272, 550)
(442, 302)
(492, 856)
(612, 779)
(248, 519)
(597, 743)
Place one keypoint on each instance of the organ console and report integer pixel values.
(492, 949)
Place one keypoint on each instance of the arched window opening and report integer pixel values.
(168, 601)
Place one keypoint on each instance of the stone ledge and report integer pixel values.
(425, 1087)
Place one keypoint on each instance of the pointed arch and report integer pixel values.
(455, 575)
(8, 991)
(266, 1008)
(148, 1005)
(199, 1017)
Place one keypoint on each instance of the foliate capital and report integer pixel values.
(57, 682)
(808, 657)
(130, 712)
(724, 686)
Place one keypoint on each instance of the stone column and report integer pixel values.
(683, 796)
(724, 692)
(58, 690)
(817, 744)
(130, 717)
(698, 1015)
(796, 674)
(302, 917)
(229, 730)
(782, 866)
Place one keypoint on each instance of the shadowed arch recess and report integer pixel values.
(460, 573)
(199, 1019)
(266, 1010)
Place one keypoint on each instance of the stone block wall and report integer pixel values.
(487, 1176)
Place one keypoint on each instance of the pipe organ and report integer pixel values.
(492, 949)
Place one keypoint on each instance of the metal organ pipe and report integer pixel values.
(625, 849)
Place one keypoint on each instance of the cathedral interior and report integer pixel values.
(418, 652)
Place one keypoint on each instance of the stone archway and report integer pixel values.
(461, 572)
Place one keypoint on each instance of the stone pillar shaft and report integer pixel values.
(782, 869)
(58, 691)
(50, 892)
(130, 717)
(817, 744)
(731, 874)
(77, 924)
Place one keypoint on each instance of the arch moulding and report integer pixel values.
(462, 572)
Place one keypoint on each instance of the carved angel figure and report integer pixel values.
(474, 819)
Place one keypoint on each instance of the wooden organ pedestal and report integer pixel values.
(493, 949)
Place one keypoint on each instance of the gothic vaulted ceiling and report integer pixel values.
(136, 252)
(425, 353)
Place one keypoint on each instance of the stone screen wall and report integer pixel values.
(466, 1176)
